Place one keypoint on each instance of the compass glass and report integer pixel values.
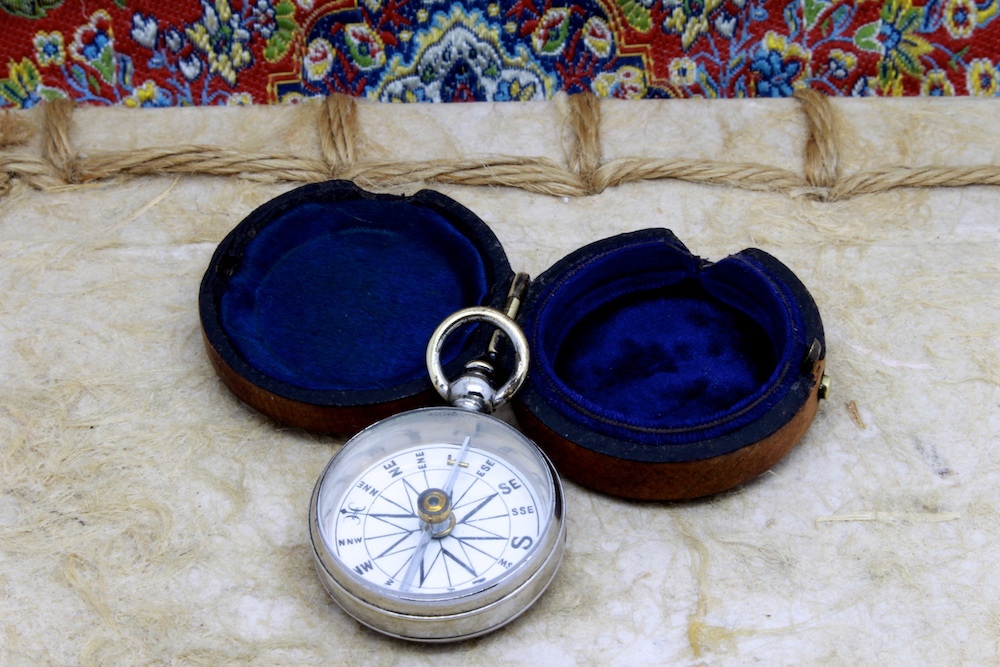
(435, 504)
(375, 528)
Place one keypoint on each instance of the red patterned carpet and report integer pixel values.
(201, 52)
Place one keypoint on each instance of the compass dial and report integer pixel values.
(376, 531)
(437, 524)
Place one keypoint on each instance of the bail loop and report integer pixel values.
(474, 390)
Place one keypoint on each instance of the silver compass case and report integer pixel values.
(475, 605)
(444, 523)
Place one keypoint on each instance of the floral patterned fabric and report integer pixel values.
(206, 52)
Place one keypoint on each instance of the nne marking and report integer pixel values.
(368, 488)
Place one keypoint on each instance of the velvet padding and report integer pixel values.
(330, 293)
(636, 339)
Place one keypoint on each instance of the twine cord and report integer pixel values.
(199, 160)
(339, 132)
(341, 142)
(56, 146)
(533, 174)
(821, 149)
(743, 175)
(585, 150)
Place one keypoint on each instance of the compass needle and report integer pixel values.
(450, 484)
(416, 561)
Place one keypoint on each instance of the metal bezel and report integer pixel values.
(444, 617)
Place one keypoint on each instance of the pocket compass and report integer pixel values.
(442, 523)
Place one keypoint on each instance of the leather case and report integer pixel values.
(659, 375)
(655, 374)
(317, 308)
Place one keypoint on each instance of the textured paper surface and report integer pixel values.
(147, 517)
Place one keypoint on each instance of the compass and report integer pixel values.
(440, 524)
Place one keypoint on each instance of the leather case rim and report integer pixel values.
(334, 411)
(674, 471)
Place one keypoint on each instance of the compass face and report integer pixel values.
(437, 524)
(374, 530)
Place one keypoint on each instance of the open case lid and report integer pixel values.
(317, 308)
(659, 375)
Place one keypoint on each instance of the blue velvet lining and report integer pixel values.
(646, 343)
(345, 295)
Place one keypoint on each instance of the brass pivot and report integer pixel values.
(434, 509)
